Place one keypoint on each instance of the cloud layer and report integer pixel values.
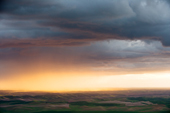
(105, 37)
(74, 23)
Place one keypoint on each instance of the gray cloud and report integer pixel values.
(78, 20)
(105, 35)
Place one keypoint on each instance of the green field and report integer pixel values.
(127, 101)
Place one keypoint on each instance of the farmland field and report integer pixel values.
(151, 101)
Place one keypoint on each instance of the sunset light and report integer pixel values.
(84, 55)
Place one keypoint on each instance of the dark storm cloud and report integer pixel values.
(76, 22)
(2, 2)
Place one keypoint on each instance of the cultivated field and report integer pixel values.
(152, 101)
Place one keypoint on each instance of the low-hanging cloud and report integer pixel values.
(72, 23)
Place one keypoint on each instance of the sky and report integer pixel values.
(68, 45)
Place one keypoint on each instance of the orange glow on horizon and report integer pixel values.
(84, 82)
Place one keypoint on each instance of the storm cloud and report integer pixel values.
(72, 23)
(103, 36)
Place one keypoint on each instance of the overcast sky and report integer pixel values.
(83, 38)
